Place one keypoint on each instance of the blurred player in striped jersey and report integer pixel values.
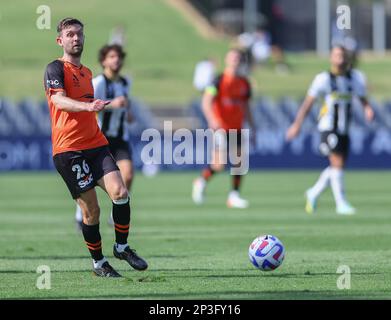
(226, 106)
(337, 88)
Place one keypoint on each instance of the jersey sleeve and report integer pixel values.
(99, 85)
(318, 87)
(359, 84)
(213, 88)
(54, 77)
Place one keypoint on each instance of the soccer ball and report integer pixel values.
(266, 252)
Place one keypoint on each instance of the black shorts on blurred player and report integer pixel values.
(82, 169)
(332, 142)
(120, 149)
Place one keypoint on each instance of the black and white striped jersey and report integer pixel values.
(336, 93)
(112, 121)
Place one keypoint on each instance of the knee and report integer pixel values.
(119, 193)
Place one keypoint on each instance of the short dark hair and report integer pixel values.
(109, 47)
(339, 46)
(66, 22)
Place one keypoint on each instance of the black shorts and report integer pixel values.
(331, 142)
(120, 149)
(82, 169)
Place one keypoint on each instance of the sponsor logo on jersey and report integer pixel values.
(52, 83)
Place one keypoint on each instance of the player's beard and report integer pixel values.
(75, 51)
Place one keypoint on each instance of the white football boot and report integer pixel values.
(311, 202)
(345, 208)
(235, 201)
(198, 193)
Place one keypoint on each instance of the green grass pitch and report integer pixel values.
(200, 252)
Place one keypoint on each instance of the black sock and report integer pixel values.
(236, 180)
(93, 240)
(121, 217)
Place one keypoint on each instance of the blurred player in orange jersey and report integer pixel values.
(226, 106)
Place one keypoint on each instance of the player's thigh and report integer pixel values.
(126, 169)
(113, 184)
(101, 162)
(337, 160)
(123, 157)
(122, 153)
(106, 172)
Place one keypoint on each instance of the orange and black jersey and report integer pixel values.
(231, 95)
(72, 131)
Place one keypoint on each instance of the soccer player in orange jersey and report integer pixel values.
(226, 106)
(80, 150)
(111, 85)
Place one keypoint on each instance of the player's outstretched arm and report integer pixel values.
(305, 108)
(64, 103)
(368, 110)
(118, 103)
